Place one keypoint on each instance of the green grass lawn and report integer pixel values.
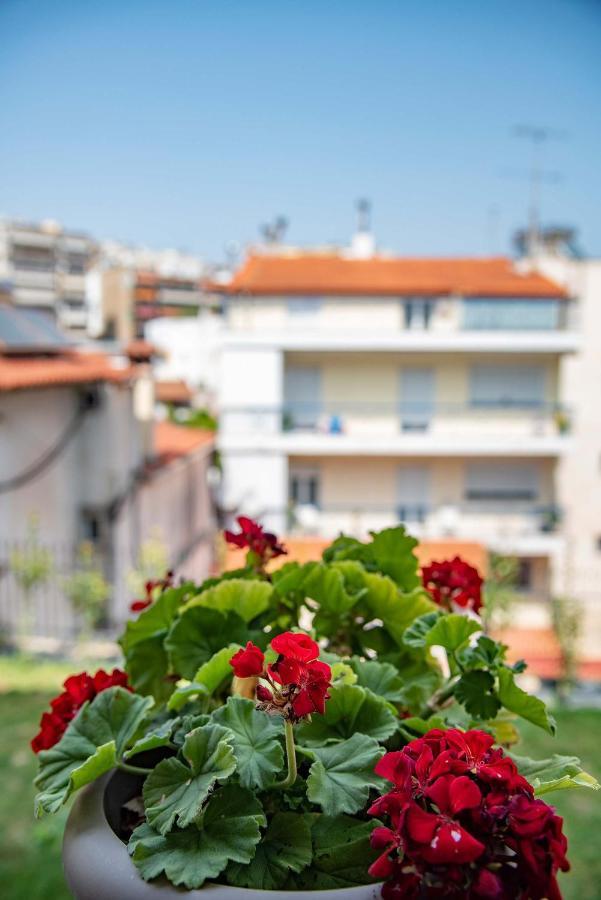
(30, 867)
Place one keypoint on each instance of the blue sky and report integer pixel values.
(188, 123)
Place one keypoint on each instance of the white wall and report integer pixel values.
(580, 471)
(191, 347)
(256, 484)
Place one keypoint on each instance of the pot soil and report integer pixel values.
(97, 865)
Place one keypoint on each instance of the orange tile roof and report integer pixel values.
(176, 391)
(333, 274)
(173, 441)
(19, 373)
(139, 350)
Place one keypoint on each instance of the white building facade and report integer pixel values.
(359, 392)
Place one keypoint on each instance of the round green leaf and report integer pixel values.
(349, 710)
(343, 774)
(176, 792)
(256, 739)
(228, 829)
(285, 847)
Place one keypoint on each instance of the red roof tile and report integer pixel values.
(176, 391)
(19, 373)
(333, 274)
(173, 441)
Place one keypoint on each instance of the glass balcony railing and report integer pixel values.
(483, 521)
(356, 419)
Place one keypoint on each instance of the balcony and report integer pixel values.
(505, 527)
(384, 429)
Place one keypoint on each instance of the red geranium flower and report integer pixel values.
(453, 583)
(248, 662)
(261, 544)
(150, 588)
(298, 681)
(78, 689)
(462, 823)
(296, 646)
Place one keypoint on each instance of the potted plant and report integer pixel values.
(241, 755)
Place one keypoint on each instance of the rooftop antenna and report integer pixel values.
(363, 215)
(273, 232)
(537, 135)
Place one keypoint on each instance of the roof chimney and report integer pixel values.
(363, 245)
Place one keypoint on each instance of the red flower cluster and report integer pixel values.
(149, 589)
(262, 544)
(78, 689)
(464, 824)
(298, 681)
(453, 582)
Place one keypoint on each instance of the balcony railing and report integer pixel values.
(353, 418)
(483, 521)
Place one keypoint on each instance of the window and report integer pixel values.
(501, 482)
(304, 487)
(303, 306)
(523, 577)
(519, 314)
(507, 386)
(417, 391)
(417, 314)
(302, 397)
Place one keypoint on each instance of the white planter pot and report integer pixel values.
(98, 867)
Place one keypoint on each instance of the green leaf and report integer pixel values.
(285, 847)
(486, 653)
(176, 792)
(147, 665)
(419, 687)
(422, 726)
(518, 701)
(343, 774)
(256, 741)
(290, 578)
(415, 636)
(94, 740)
(392, 550)
(325, 585)
(228, 829)
(146, 660)
(475, 690)
(382, 679)
(350, 709)
(452, 632)
(246, 598)
(198, 634)
(154, 621)
(158, 737)
(341, 853)
(209, 677)
(555, 773)
(397, 610)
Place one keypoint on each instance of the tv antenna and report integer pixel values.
(538, 135)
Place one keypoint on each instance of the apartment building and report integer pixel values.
(43, 266)
(131, 286)
(579, 472)
(360, 389)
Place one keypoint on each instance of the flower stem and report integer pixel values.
(291, 757)
(133, 770)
